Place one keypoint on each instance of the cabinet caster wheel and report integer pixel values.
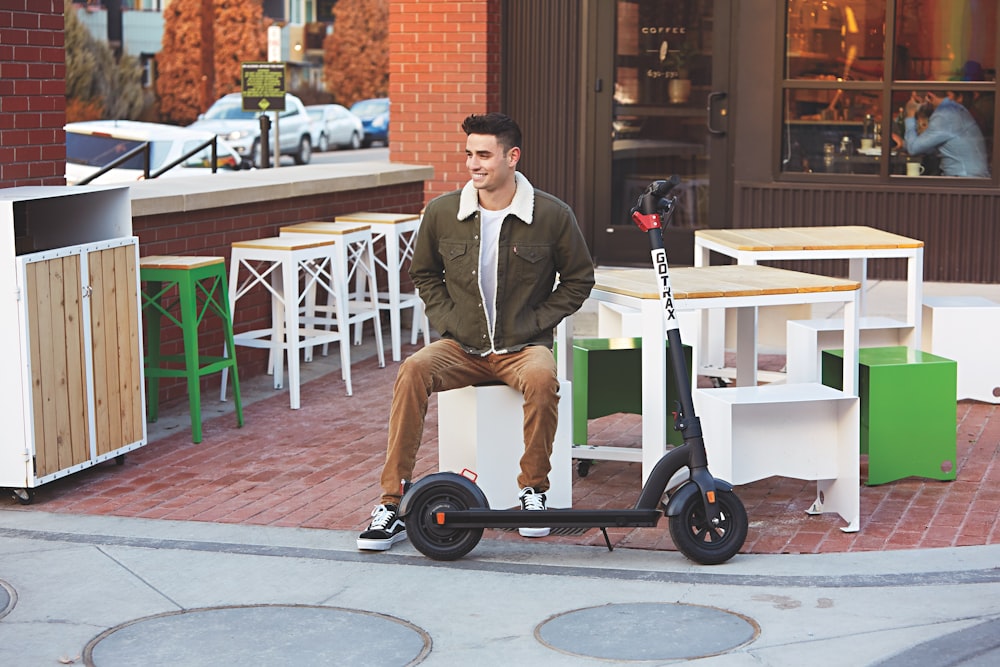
(583, 468)
(120, 460)
(23, 496)
(719, 383)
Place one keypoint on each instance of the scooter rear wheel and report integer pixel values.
(436, 541)
(703, 542)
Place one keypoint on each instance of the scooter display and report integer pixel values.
(446, 513)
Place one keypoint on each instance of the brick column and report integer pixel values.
(444, 63)
(32, 94)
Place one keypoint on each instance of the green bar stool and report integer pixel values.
(908, 411)
(201, 289)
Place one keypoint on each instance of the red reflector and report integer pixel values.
(711, 497)
(439, 518)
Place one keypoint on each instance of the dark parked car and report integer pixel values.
(374, 114)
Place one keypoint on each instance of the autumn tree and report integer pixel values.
(356, 53)
(240, 36)
(224, 32)
(97, 84)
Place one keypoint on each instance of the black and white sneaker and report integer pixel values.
(532, 501)
(385, 530)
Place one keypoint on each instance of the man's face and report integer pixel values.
(933, 99)
(489, 166)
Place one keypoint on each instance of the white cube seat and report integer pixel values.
(480, 428)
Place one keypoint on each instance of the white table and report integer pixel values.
(744, 288)
(857, 244)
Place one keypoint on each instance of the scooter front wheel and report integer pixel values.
(433, 540)
(705, 543)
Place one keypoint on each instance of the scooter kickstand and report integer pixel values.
(607, 540)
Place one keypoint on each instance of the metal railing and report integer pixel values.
(144, 150)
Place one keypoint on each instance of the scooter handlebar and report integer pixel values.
(653, 204)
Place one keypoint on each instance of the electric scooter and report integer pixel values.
(446, 513)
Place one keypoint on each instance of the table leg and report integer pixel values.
(654, 386)
(392, 262)
(746, 346)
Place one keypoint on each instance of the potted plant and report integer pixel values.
(680, 61)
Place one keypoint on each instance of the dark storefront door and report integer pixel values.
(665, 114)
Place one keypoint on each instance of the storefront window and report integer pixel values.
(855, 70)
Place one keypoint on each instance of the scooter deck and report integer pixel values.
(551, 518)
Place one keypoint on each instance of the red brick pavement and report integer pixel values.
(318, 467)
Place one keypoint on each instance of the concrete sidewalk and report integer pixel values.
(111, 592)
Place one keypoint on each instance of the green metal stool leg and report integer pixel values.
(152, 318)
(189, 329)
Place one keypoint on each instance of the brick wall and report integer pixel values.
(212, 231)
(444, 64)
(32, 93)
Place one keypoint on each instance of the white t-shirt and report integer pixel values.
(489, 229)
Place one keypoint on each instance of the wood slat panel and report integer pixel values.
(56, 352)
(76, 375)
(130, 361)
(102, 328)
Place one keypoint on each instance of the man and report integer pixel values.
(485, 264)
(952, 132)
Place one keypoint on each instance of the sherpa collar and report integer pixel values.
(523, 205)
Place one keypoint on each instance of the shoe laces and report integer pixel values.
(382, 516)
(531, 500)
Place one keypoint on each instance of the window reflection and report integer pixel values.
(945, 40)
(832, 131)
(835, 39)
(840, 114)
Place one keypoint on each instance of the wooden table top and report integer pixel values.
(322, 227)
(378, 218)
(718, 281)
(807, 238)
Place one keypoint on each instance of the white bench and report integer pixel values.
(480, 428)
(806, 340)
(803, 431)
(965, 328)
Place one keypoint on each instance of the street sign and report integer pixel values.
(263, 86)
(274, 44)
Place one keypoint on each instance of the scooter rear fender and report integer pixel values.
(445, 479)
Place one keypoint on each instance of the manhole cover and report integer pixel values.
(260, 635)
(646, 631)
(7, 598)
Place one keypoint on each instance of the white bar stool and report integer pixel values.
(277, 264)
(353, 258)
(399, 232)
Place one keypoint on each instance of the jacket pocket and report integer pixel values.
(534, 261)
(457, 256)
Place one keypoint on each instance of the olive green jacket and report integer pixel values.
(539, 241)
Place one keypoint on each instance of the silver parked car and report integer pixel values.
(241, 129)
(333, 126)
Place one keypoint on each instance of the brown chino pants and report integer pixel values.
(444, 365)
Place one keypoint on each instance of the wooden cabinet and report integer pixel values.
(71, 357)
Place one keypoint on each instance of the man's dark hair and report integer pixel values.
(501, 126)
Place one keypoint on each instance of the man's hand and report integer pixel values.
(912, 105)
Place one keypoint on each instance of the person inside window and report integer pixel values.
(952, 132)
(486, 261)
(930, 161)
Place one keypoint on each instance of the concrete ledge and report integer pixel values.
(193, 193)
